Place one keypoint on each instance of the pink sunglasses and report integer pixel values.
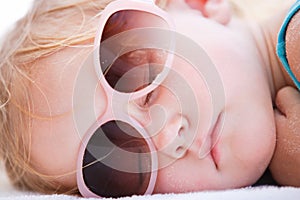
(117, 157)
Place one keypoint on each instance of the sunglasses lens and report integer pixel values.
(126, 58)
(116, 163)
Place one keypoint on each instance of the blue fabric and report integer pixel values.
(281, 50)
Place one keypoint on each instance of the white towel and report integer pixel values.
(7, 192)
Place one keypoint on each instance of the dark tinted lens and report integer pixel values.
(116, 164)
(131, 65)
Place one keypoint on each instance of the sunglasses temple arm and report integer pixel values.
(146, 1)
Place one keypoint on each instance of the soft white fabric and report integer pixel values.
(257, 193)
(7, 192)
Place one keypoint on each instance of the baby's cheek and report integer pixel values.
(54, 147)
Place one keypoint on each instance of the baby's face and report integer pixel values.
(246, 136)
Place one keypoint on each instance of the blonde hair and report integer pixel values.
(47, 28)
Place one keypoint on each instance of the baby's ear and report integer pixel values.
(218, 10)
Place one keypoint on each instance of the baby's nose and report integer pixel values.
(169, 131)
(172, 140)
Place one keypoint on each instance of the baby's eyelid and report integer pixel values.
(152, 97)
(149, 99)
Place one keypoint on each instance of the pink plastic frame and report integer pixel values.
(119, 5)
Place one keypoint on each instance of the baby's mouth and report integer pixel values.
(209, 145)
